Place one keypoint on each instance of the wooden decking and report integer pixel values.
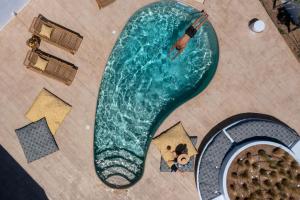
(256, 73)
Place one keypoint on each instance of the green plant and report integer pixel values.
(297, 1)
(265, 173)
(281, 31)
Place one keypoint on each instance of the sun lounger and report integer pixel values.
(56, 34)
(50, 66)
(103, 3)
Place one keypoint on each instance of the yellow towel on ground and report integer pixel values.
(51, 107)
(172, 137)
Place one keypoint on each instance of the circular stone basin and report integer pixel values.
(228, 140)
(263, 171)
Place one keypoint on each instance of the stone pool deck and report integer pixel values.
(256, 73)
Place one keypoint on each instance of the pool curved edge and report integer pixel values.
(201, 86)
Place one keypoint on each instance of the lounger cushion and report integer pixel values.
(46, 31)
(41, 63)
(36, 140)
(51, 107)
(172, 137)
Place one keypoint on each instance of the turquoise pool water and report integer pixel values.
(141, 86)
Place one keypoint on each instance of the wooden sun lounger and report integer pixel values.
(56, 68)
(103, 3)
(60, 36)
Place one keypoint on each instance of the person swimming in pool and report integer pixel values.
(189, 33)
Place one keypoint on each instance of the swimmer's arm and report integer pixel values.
(172, 48)
(177, 54)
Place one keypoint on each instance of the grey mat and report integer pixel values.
(36, 140)
(189, 167)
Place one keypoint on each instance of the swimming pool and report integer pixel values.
(141, 86)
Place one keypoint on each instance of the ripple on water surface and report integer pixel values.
(141, 86)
